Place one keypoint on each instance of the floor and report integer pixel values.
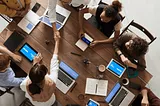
(142, 11)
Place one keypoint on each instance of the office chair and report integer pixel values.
(140, 28)
(5, 90)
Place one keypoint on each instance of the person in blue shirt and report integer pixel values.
(7, 75)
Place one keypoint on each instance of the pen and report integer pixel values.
(73, 87)
(75, 54)
(96, 89)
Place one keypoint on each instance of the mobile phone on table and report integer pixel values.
(36, 7)
(134, 86)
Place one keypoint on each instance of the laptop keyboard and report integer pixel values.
(64, 78)
(119, 98)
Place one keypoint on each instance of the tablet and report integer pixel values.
(91, 102)
(28, 52)
(116, 68)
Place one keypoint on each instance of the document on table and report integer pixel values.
(96, 87)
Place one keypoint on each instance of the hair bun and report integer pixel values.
(117, 5)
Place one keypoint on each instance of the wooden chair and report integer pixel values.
(141, 28)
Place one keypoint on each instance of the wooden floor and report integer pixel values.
(100, 54)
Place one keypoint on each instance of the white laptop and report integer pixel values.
(4, 21)
(116, 68)
(119, 96)
(66, 77)
(62, 15)
(29, 21)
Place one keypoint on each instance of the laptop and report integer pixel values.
(119, 96)
(116, 68)
(29, 21)
(13, 41)
(62, 15)
(66, 77)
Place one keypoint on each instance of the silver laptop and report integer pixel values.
(119, 96)
(66, 77)
(29, 21)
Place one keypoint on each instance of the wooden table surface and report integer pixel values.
(100, 54)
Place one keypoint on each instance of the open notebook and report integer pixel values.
(96, 87)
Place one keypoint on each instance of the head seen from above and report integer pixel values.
(137, 46)
(4, 62)
(110, 12)
(37, 76)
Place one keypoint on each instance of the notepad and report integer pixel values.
(96, 87)
(84, 42)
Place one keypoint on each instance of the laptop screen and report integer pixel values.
(113, 92)
(27, 51)
(60, 18)
(116, 67)
(68, 70)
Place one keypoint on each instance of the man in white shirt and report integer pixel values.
(52, 10)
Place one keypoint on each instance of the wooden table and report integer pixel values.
(100, 54)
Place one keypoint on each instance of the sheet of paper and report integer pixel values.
(96, 87)
(3, 24)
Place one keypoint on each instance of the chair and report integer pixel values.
(140, 28)
(5, 90)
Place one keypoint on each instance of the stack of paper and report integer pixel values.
(96, 87)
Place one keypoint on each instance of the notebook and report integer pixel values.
(13, 41)
(119, 96)
(84, 42)
(29, 21)
(96, 87)
(116, 68)
(66, 77)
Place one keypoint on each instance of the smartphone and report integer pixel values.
(36, 7)
(86, 40)
(134, 86)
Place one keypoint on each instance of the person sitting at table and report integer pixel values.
(40, 86)
(52, 10)
(146, 98)
(106, 18)
(14, 8)
(131, 49)
(7, 75)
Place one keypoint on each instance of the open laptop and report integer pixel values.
(116, 68)
(62, 15)
(66, 77)
(119, 96)
(29, 21)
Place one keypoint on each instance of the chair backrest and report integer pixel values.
(141, 28)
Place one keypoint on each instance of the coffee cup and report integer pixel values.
(125, 81)
(101, 68)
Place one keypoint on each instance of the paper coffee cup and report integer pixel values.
(101, 68)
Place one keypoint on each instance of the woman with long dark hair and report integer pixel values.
(40, 86)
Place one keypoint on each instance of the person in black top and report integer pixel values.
(106, 18)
